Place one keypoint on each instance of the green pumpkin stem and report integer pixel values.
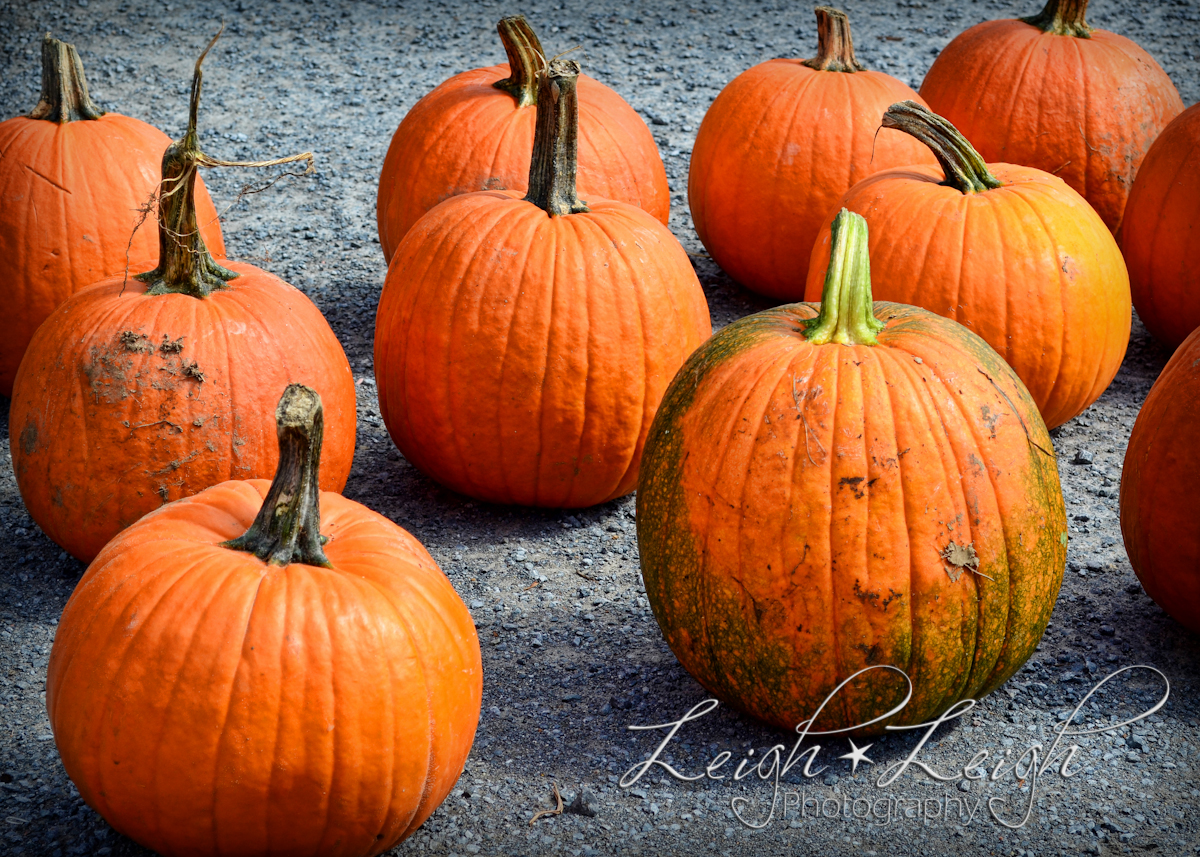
(964, 167)
(525, 59)
(555, 158)
(184, 264)
(1062, 18)
(847, 312)
(64, 87)
(835, 48)
(287, 528)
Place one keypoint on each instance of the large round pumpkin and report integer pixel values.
(1160, 235)
(1048, 91)
(1011, 252)
(474, 132)
(223, 684)
(831, 488)
(140, 390)
(778, 147)
(1158, 488)
(72, 181)
(522, 345)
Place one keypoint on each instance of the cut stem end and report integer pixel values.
(964, 168)
(64, 87)
(525, 60)
(835, 47)
(555, 161)
(1062, 18)
(847, 314)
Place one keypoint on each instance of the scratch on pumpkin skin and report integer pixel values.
(47, 179)
(1015, 410)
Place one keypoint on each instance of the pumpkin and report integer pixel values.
(1011, 252)
(475, 132)
(265, 669)
(778, 147)
(1048, 91)
(522, 344)
(140, 390)
(1158, 491)
(1160, 235)
(832, 488)
(72, 181)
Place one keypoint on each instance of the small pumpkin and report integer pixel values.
(265, 668)
(778, 147)
(475, 131)
(1050, 92)
(141, 390)
(1011, 252)
(850, 485)
(522, 344)
(1160, 235)
(72, 181)
(1158, 488)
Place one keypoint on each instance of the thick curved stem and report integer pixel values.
(287, 528)
(835, 48)
(964, 168)
(556, 142)
(1062, 18)
(64, 87)
(847, 312)
(525, 60)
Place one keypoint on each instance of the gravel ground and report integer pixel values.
(572, 655)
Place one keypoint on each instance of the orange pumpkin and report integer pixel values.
(1160, 235)
(522, 345)
(72, 181)
(1158, 488)
(836, 487)
(138, 391)
(1010, 252)
(1051, 92)
(475, 132)
(265, 669)
(777, 148)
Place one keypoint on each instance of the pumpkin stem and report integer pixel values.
(287, 528)
(525, 59)
(184, 264)
(64, 87)
(835, 48)
(1062, 18)
(556, 142)
(847, 313)
(964, 168)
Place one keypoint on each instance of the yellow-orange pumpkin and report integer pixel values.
(222, 683)
(72, 181)
(835, 487)
(1011, 252)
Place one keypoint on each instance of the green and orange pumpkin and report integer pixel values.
(850, 485)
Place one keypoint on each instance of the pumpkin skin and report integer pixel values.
(467, 135)
(777, 148)
(109, 424)
(523, 345)
(797, 503)
(207, 703)
(1160, 235)
(69, 199)
(1029, 267)
(1158, 492)
(1084, 109)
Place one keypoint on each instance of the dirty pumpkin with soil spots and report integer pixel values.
(141, 390)
(829, 488)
